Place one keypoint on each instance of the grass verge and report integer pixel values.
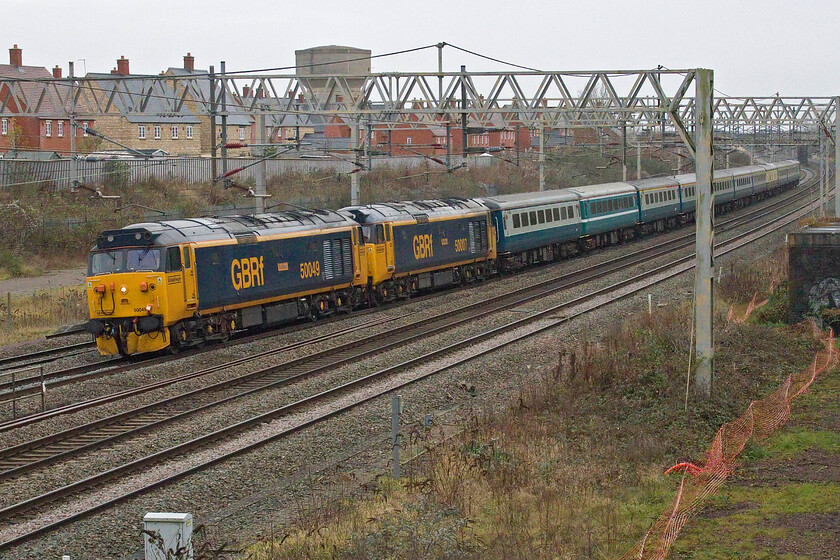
(574, 468)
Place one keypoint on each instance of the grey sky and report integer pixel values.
(755, 47)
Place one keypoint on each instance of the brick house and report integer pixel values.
(50, 132)
(240, 125)
(176, 133)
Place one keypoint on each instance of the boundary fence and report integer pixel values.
(58, 174)
(700, 481)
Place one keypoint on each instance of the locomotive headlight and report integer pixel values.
(123, 290)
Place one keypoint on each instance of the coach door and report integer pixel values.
(189, 277)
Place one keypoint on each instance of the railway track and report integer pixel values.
(546, 319)
(31, 385)
(23, 387)
(36, 453)
(44, 356)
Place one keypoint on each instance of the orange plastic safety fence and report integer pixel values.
(751, 306)
(702, 480)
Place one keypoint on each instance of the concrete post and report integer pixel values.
(259, 200)
(705, 265)
(354, 177)
(396, 405)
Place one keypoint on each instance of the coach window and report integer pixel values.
(533, 215)
(548, 214)
(173, 259)
(563, 213)
(516, 222)
(525, 219)
(557, 214)
(541, 216)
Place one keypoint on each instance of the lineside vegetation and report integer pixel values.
(573, 467)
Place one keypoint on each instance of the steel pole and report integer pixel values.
(224, 118)
(354, 177)
(638, 161)
(396, 471)
(213, 143)
(705, 265)
(836, 158)
(259, 200)
(624, 152)
(74, 163)
(542, 157)
(822, 177)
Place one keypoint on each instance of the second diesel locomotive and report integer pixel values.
(175, 284)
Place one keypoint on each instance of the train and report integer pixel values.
(169, 285)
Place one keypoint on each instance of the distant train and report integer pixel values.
(176, 284)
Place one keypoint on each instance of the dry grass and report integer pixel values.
(34, 315)
(60, 227)
(574, 468)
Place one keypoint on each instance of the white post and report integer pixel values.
(704, 268)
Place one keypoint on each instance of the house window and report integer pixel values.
(4, 127)
(141, 132)
(189, 131)
(60, 129)
(48, 128)
(242, 133)
(84, 129)
(157, 132)
(175, 132)
(408, 140)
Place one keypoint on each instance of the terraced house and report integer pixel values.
(177, 133)
(23, 133)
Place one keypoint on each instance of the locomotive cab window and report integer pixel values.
(173, 259)
(187, 262)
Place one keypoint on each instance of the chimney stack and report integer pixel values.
(122, 66)
(189, 63)
(300, 98)
(115, 72)
(246, 91)
(16, 56)
(56, 72)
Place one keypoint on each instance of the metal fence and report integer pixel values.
(58, 174)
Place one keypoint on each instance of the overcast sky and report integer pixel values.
(755, 47)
